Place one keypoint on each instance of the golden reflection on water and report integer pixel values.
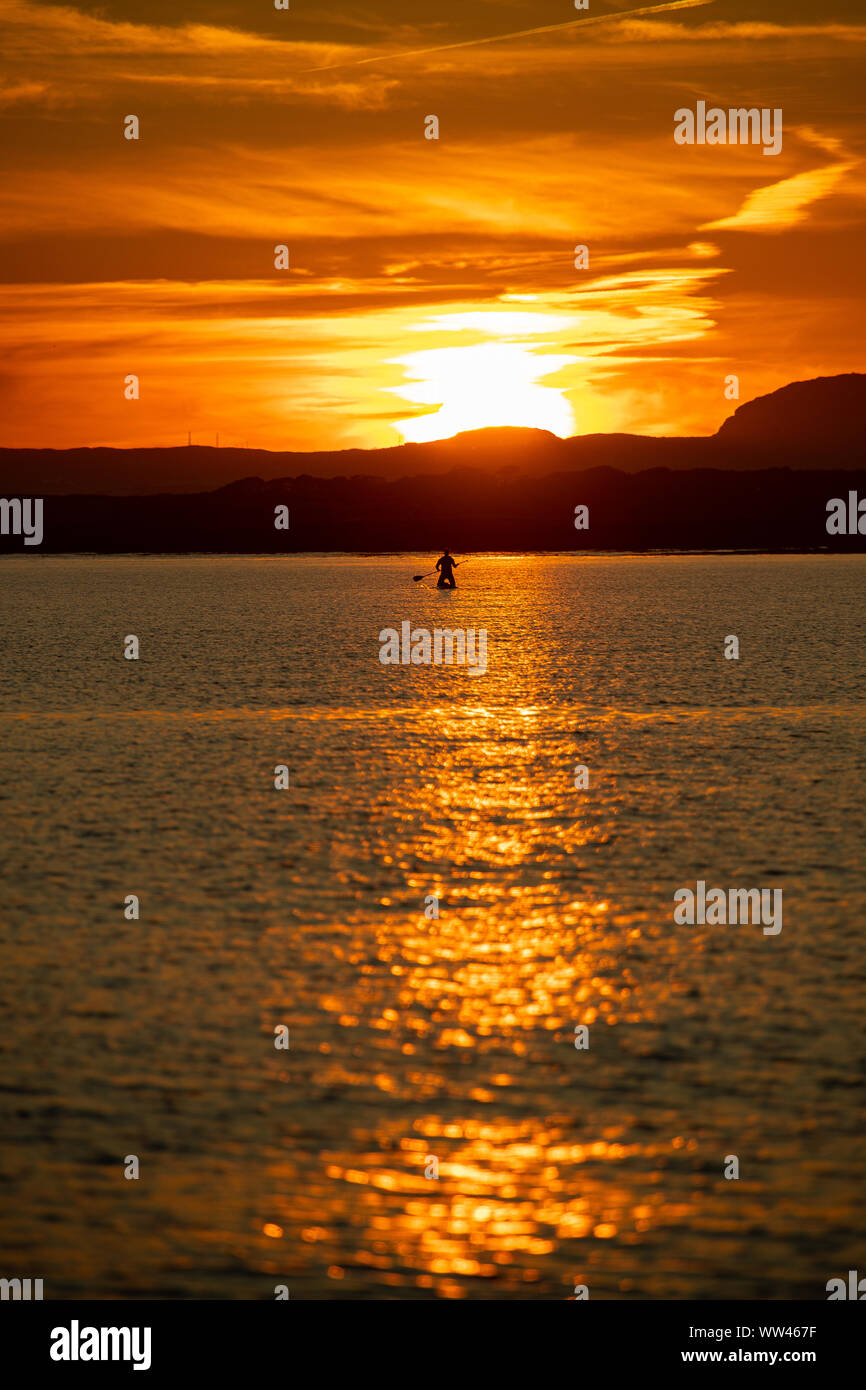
(474, 1012)
(506, 1199)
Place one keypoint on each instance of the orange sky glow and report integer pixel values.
(431, 285)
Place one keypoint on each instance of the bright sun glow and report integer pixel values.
(488, 384)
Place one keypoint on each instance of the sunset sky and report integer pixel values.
(432, 285)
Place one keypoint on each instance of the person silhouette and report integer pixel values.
(446, 565)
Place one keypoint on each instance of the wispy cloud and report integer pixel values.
(585, 23)
(30, 29)
(778, 206)
(21, 92)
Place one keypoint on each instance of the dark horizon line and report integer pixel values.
(349, 448)
(420, 551)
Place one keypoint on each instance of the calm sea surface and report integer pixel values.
(415, 1039)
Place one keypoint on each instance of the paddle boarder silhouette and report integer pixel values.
(446, 565)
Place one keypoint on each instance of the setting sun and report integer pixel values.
(485, 384)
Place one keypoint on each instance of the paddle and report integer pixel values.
(457, 564)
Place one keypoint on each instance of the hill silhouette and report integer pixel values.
(806, 415)
(811, 425)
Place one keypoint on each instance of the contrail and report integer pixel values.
(520, 34)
